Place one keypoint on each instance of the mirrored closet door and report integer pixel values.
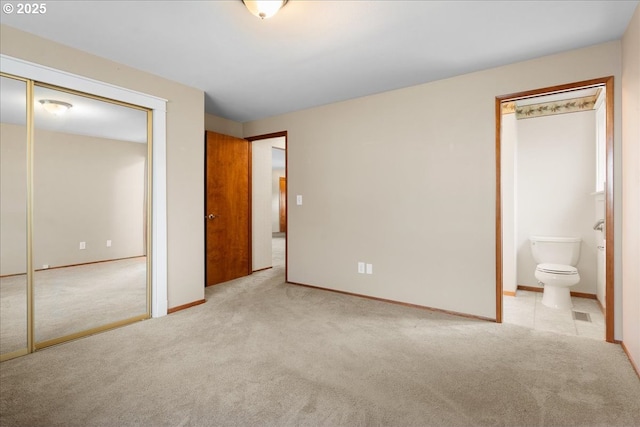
(75, 259)
(13, 216)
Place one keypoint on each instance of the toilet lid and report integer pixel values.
(557, 269)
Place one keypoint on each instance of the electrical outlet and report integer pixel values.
(369, 268)
(83, 245)
(298, 200)
(361, 267)
(45, 266)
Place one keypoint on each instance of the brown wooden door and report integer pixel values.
(227, 208)
(283, 204)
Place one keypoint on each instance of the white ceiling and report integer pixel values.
(318, 52)
(571, 94)
(87, 116)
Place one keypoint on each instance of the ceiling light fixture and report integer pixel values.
(264, 8)
(57, 108)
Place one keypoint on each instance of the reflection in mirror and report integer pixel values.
(13, 215)
(89, 214)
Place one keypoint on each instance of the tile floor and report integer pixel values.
(526, 309)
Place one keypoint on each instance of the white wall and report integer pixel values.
(261, 204)
(276, 174)
(599, 213)
(509, 147)
(261, 201)
(599, 197)
(631, 188)
(278, 158)
(555, 179)
(405, 180)
(184, 149)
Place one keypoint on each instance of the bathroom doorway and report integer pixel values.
(519, 112)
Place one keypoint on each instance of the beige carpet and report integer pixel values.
(72, 299)
(264, 353)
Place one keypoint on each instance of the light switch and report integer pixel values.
(361, 267)
(369, 268)
(298, 200)
(108, 243)
(83, 245)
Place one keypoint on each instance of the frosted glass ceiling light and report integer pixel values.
(264, 8)
(57, 108)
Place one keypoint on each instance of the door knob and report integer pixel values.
(210, 216)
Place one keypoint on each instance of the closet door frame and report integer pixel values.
(157, 267)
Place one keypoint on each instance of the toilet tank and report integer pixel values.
(555, 250)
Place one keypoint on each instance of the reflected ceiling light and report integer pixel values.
(264, 8)
(57, 108)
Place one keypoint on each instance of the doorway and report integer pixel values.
(242, 192)
(505, 244)
(269, 200)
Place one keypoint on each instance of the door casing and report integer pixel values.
(607, 82)
(286, 144)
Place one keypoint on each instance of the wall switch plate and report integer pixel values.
(83, 245)
(369, 268)
(361, 267)
(298, 200)
(108, 243)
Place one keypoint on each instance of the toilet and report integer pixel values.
(556, 258)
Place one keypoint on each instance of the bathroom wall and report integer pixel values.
(599, 199)
(601, 268)
(508, 149)
(555, 182)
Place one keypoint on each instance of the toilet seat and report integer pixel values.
(560, 269)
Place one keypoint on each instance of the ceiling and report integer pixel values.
(87, 116)
(560, 96)
(319, 52)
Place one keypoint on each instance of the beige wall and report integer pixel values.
(223, 126)
(631, 187)
(86, 189)
(405, 180)
(13, 199)
(185, 123)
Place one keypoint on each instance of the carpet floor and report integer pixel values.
(72, 299)
(261, 352)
